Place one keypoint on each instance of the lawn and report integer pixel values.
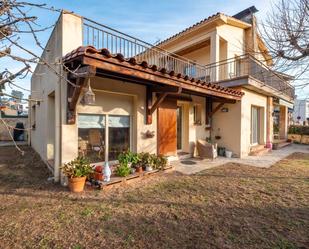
(232, 206)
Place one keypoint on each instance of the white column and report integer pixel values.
(214, 54)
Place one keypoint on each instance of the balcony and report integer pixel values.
(101, 36)
(248, 66)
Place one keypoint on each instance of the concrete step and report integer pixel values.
(259, 150)
(281, 145)
(183, 155)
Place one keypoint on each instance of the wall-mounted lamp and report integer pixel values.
(89, 96)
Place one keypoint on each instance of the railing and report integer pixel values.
(247, 65)
(101, 36)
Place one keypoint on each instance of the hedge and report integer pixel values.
(299, 130)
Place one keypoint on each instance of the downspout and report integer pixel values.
(58, 123)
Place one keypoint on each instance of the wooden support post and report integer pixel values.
(163, 92)
(208, 110)
(158, 102)
(216, 109)
(148, 105)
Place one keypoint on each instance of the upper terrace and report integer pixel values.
(224, 72)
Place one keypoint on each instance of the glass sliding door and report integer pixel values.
(118, 135)
(91, 136)
(255, 125)
(93, 130)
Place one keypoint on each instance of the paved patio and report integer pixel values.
(195, 165)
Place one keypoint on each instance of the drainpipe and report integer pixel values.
(57, 148)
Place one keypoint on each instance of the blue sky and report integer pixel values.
(145, 19)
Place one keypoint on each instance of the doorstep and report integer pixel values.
(259, 150)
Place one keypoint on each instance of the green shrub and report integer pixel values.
(299, 130)
(160, 162)
(128, 157)
(78, 167)
(123, 170)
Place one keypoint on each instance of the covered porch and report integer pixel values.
(138, 107)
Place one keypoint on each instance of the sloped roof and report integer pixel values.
(202, 22)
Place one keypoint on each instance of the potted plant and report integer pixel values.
(160, 162)
(124, 158)
(77, 171)
(150, 162)
(123, 170)
(144, 160)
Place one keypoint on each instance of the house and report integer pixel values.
(301, 111)
(211, 81)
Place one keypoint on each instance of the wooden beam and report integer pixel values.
(150, 108)
(223, 100)
(208, 110)
(162, 89)
(158, 102)
(83, 72)
(148, 105)
(216, 109)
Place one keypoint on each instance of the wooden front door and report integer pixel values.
(167, 127)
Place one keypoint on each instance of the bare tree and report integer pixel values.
(286, 32)
(16, 22)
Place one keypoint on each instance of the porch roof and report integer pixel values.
(116, 64)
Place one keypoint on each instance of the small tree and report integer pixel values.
(286, 32)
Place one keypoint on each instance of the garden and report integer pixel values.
(130, 166)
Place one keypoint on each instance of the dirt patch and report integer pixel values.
(232, 206)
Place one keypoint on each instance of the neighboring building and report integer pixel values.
(17, 96)
(301, 111)
(212, 80)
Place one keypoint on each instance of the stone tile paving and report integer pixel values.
(195, 165)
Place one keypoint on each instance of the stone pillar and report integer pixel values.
(283, 122)
(269, 122)
(214, 55)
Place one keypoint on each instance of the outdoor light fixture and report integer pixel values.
(89, 96)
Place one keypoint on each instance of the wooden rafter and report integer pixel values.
(218, 107)
(80, 77)
(163, 92)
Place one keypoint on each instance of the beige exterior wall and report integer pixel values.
(252, 99)
(234, 126)
(201, 56)
(228, 126)
(47, 136)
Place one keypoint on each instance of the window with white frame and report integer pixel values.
(103, 137)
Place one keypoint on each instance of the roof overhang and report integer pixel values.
(116, 66)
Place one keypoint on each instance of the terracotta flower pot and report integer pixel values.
(98, 176)
(77, 184)
(139, 169)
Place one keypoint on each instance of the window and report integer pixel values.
(118, 135)
(92, 132)
(197, 114)
(91, 136)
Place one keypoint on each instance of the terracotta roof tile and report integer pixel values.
(89, 50)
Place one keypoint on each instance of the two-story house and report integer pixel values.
(113, 92)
